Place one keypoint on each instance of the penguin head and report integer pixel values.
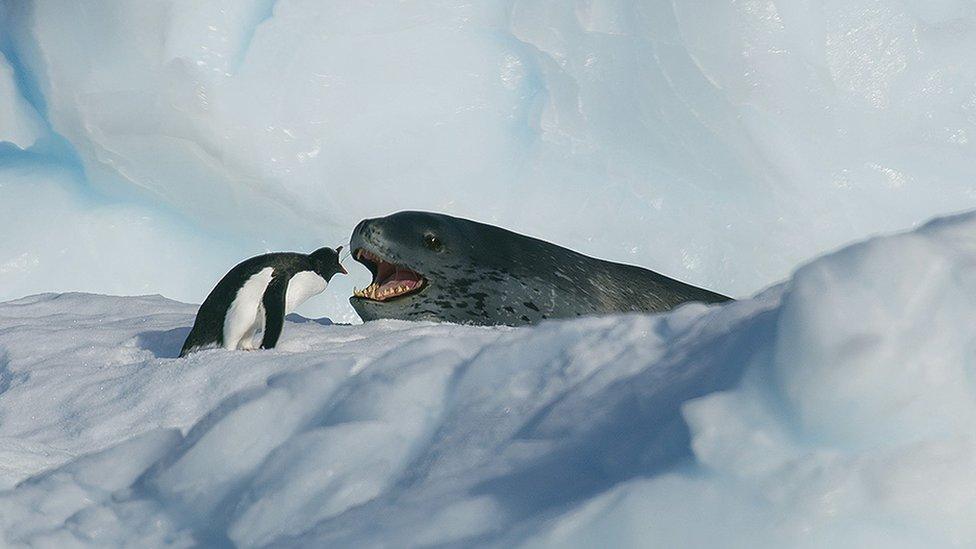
(325, 261)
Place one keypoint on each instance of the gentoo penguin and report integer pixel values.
(256, 295)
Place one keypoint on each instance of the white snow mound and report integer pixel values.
(836, 410)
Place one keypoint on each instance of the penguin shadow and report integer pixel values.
(169, 343)
(163, 343)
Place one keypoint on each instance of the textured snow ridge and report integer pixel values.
(835, 410)
(719, 141)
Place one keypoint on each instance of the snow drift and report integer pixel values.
(721, 143)
(835, 410)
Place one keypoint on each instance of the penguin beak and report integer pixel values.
(338, 255)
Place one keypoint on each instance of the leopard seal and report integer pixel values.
(431, 266)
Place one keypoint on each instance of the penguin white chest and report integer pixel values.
(301, 287)
(245, 316)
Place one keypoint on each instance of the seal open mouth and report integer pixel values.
(390, 281)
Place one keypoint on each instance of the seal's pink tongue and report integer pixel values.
(401, 278)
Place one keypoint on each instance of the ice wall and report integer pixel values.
(20, 124)
(718, 142)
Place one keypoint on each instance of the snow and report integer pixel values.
(836, 409)
(145, 148)
(722, 143)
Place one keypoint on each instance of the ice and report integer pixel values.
(826, 376)
(47, 501)
(347, 417)
(721, 143)
(853, 428)
(836, 409)
(20, 124)
(58, 236)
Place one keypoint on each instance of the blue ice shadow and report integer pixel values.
(637, 428)
(163, 343)
(169, 343)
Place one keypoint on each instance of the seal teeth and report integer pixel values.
(368, 292)
(390, 279)
(376, 292)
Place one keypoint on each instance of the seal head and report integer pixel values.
(429, 266)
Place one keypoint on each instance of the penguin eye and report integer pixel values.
(432, 242)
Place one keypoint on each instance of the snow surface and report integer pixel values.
(837, 409)
(146, 147)
(720, 142)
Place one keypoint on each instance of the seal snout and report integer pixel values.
(361, 226)
(369, 235)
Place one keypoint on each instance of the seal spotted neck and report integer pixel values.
(429, 266)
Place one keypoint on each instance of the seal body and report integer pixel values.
(429, 266)
(256, 295)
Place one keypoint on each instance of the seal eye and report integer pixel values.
(432, 242)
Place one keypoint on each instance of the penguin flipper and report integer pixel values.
(274, 311)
